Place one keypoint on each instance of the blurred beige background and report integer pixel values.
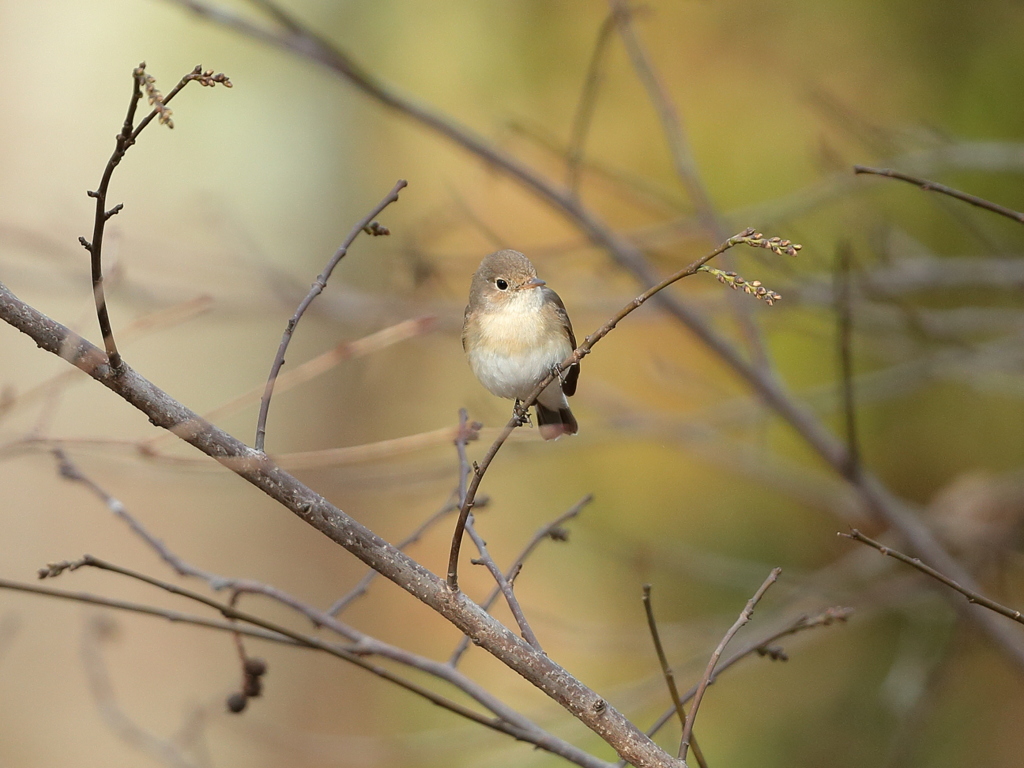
(698, 489)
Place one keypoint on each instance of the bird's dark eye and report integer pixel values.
(502, 284)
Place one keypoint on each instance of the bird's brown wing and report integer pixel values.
(465, 325)
(570, 376)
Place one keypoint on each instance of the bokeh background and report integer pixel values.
(698, 489)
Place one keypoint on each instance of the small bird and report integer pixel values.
(515, 331)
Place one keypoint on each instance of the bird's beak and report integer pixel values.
(533, 282)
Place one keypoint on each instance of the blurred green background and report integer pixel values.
(698, 489)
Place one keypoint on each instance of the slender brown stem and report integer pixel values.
(747, 236)
(363, 584)
(934, 186)
(585, 108)
(552, 530)
(763, 647)
(666, 671)
(468, 432)
(504, 585)
(705, 681)
(684, 163)
(315, 290)
(267, 630)
(844, 313)
(971, 595)
(123, 141)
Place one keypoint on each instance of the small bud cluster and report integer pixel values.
(252, 685)
(148, 83)
(206, 77)
(156, 99)
(774, 244)
(376, 229)
(734, 281)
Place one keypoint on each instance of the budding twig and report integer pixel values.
(746, 237)
(315, 290)
(970, 594)
(128, 135)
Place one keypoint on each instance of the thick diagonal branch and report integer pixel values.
(257, 469)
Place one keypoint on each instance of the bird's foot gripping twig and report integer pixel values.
(520, 414)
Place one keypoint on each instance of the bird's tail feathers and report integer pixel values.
(555, 423)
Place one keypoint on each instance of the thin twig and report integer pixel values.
(585, 108)
(666, 671)
(971, 595)
(318, 286)
(504, 585)
(267, 630)
(933, 186)
(362, 643)
(165, 750)
(468, 432)
(125, 139)
(685, 164)
(552, 530)
(764, 647)
(748, 237)
(844, 334)
(345, 350)
(705, 681)
(671, 123)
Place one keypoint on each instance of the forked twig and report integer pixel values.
(764, 647)
(705, 681)
(468, 432)
(666, 671)
(364, 224)
(128, 135)
(266, 630)
(552, 530)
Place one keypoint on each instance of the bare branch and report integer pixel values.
(683, 161)
(765, 647)
(318, 286)
(345, 350)
(748, 611)
(260, 470)
(666, 671)
(972, 595)
(262, 630)
(363, 584)
(363, 644)
(552, 530)
(125, 139)
(468, 432)
(585, 108)
(844, 312)
(933, 186)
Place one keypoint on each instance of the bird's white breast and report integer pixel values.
(517, 346)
